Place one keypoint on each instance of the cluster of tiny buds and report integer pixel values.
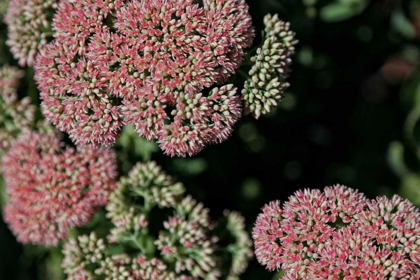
(155, 64)
(29, 28)
(53, 188)
(267, 82)
(185, 248)
(339, 234)
(235, 225)
(15, 115)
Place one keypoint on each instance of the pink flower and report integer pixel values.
(29, 25)
(267, 234)
(53, 189)
(154, 64)
(339, 234)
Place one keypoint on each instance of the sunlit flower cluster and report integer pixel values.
(155, 64)
(267, 81)
(29, 27)
(52, 188)
(15, 115)
(186, 246)
(339, 234)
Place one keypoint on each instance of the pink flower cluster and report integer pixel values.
(149, 63)
(339, 234)
(29, 28)
(52, 189)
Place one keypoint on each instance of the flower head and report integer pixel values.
(186, 243)
(29, 27)
(339, 233)
(53, 189)
(240, 252)
(186, 247)
(15, 115)
(154, 64)
(145, 181)
(267, 81)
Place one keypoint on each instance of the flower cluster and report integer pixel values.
(339, 234)
(15, 115)
(267, 81)
(184, 248)
(155, 64)
(240, 248)
(29, 27)
(53, 189)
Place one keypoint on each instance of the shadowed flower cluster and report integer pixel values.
(52, 189)
(267, 81)
(232, 227)
(339, 234)
(155, 64)
(29, 28)
(15, 115)
(185, 247)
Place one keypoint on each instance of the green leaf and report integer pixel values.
(251, 188)
(4, 197)
(395, 158)
(410, 188)
(339, 11)
(190, 167)
(402, 25)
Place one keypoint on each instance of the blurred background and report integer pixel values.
(351, 116)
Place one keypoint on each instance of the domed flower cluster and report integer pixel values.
(267, 81)
(156, 64)
(184, 248)
(15, 115)
(339, 234)
(53, 189)
(29, 28)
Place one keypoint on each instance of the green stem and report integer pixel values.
(410, 125)
(140, 246)
(241, 72)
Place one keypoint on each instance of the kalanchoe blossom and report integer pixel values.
(148, 63)
(339, 234)
(185, 248)
(29, 27)
(15, 115)
(267, 81)
(53, 189)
